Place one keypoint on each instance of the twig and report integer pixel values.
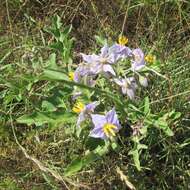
(19, 10)
(9, 20)
(125, 18)
(76, 10)
(124, 178)
(157, 73)
(41, 166)
(170, 97)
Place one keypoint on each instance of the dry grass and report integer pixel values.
(161, 27)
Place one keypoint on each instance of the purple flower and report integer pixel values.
(105, 126)
(138, 61)
(98, 63)
(106, 68)
(84, 111)
(85, 69)
(114, 53)
(128, 86)
(87, 79)
(85, 72)
(120, 51)
(101, 63)
(90, 58)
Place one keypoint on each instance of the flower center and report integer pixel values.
(103, 60)
(108, 129)
(78, 107)
(137, 58)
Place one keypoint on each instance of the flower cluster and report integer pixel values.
(103, 64)
(106, 126)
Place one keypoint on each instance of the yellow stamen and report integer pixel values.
(78, 107)
(123, 40)
(71, 75)
(150, 58)
(108, 129)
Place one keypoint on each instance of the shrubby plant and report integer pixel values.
(99, 100)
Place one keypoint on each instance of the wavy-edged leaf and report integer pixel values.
(162, 124)
(136, 160)
(79, 163)
(40, 118)
(54, 75)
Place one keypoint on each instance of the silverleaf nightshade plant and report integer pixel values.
(101, 71)
(100, 99)
(102, 64)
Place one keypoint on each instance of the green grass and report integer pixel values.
(159, 27)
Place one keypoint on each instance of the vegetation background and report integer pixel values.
(159, 27)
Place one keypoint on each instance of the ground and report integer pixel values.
(161, 28)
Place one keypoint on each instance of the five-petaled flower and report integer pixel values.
(100, 63)
(105, 126)
(84, 111)
(85, 69)
(95, 64)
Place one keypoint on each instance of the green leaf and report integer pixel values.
(63, 117)
(40, 118)
(89, 158)
(54, 32)
(143, 130)
(174, 115)
(146, 106)
(79, 163)
(75, 166)
(100, 40)
(92, 156)
(51, 63)
(141, 146)
(135, 155)
(102, 150)
(135, 152)
(115, 146)
(55, 28)
(48, 106)
(57, 46)
(57, 22)
(54, 75)
(67, 30)
(162, 124)
(35, 118)
(92, 143)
